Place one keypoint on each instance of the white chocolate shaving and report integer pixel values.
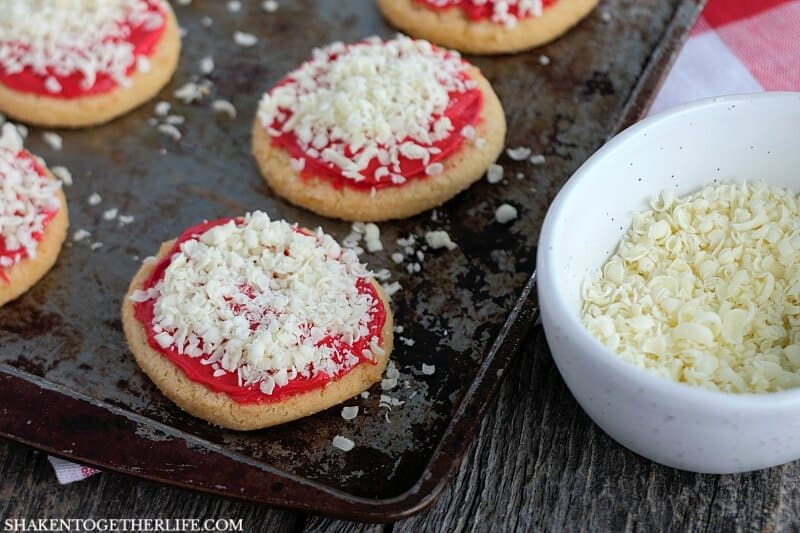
(705, 289)
(343, 443)
(259, 297)
(439, 239)
(506, 12)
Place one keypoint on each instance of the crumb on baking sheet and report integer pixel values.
(506, 213)
(343, 443)
(520, 153)
(350, 412)
(244, 39)
(437, 240)
(494, 174)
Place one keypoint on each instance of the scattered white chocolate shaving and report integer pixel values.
(81, 235)
(494, 174)
(519, 154)
(162, 109)
(170, 131)
(53, 140)
(244, 39)
(349, 413)
(372, 237)
(343, 443)
(224, 107)
(439, 239)
(191, 92)
(506, 213)
(392, 288)
(63, 174)
(207, 65)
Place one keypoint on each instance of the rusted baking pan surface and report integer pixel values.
(69, 385)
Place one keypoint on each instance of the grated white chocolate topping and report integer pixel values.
(262, 299)
(59, 38)
(376, 100)
(26, 198)
(501, 9)
(705, 289)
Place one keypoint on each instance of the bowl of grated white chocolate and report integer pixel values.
(668, 275)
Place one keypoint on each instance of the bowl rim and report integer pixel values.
(552, 295)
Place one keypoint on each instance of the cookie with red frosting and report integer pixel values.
(33, 218)
(248, 322)
(378, 130)
(77, 63)
(486, 26)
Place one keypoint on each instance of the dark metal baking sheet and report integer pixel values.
(68, 384)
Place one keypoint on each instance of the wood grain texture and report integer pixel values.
(28, 489)
(538, 464)
(317, 524)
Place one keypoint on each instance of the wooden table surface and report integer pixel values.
(538, 463)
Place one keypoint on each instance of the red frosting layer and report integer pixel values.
(464, 109)
(477, 12)
(144, 42)
(228, 383)
(49, 215)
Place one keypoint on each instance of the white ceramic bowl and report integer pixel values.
(749, 137)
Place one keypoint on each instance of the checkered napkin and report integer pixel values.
(737, 46)
(67, 472)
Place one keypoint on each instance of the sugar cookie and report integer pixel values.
(248, 323)
(486, 26)
(33, 218)
(83, 62)
(378, 130)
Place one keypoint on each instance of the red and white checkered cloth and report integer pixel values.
(67, 472)
(737, 46)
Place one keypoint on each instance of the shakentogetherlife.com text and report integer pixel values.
(160, 525)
